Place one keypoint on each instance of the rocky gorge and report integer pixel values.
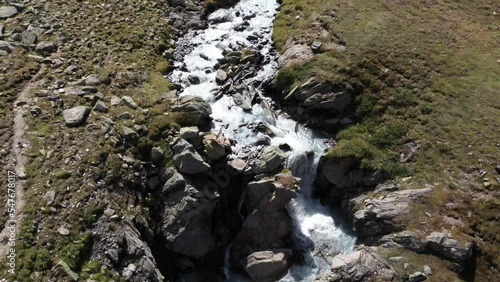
(222, 172)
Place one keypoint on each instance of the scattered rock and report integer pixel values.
(101, 107)
(220, 16)
(130, 102)
(63, 231)
(92, 80)
(7, 12)
(417, 277)
(76, 115)
(6, 46)
(115, 100)
(50, 196)
(45, 47)
(315, 47)
(124, 116)
(36, 111)
(28, 37)
(128, 133)
(220, 77)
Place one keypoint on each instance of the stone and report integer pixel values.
(315, 47)
(50, 196)
(364, 264)
(270, 159)
(101, 107)
(113, 255)
(216, 146)
(417, 277)
(115, 100)
(156, 154)
(45, 47)
(220, 77)
(6, 46)
(427, 270)
(124, 116)
(63, 231)
(196, 111)
(28, 37)
(76, 115)
(7, 12)
(128, 133)
(130, 102)
(220, 16)
(237, 166)
(92, 80)
(193, 79)
(36, 111)
(187, 160)
(191, 134)
(268, 266)
(378, 216)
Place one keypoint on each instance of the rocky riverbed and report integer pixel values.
(165, 142)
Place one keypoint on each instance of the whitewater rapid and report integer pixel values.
(314, 227)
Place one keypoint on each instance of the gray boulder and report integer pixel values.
(216, 146)
(7, 12)
(270, 159)
(186, 159)
(220, 16)
(268, 266)
(45, 47)
(417, 277)
(379, 216)
(364, 264)
(191, 134)
(101, 107)
(186, 222)
(195, 110)
(92, 80)
(76, 115)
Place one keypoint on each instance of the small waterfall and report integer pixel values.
(314, 228)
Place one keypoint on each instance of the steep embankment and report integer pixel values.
(411, 90)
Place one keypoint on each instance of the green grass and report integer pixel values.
(421, 70)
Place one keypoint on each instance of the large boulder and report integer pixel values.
(379, 216)
(294, 53)
(364, 264)
(195, 110)
(216, 145)
(186, 219)
(268, 266)
(340, 178)
(270, 159)
(7, 12)
(267, 223)
(186, 159)
(76, 115)
(45, 48)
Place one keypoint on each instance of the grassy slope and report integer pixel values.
(65, 157)
(428, 66)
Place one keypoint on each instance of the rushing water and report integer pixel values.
(315, 230)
